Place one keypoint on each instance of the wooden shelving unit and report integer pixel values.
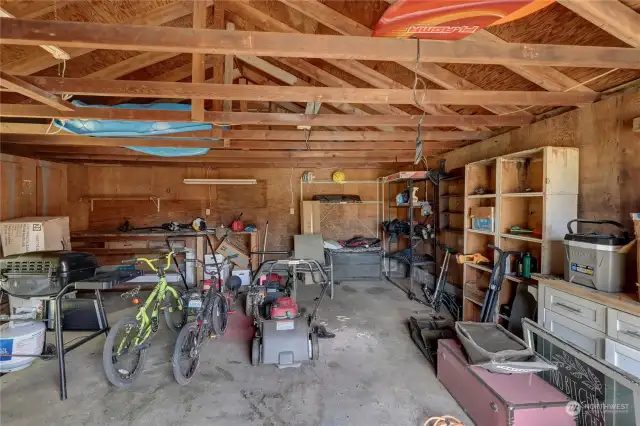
(451, 221)
(535, 189)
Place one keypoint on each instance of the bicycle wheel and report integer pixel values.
(219, 315)
(122, 361)
(186, 355)
(175, 313)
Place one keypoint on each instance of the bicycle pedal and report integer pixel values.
(143, 346)
(213, 336)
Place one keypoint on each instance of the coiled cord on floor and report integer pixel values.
(443, 421)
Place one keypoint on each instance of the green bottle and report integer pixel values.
(526, 266)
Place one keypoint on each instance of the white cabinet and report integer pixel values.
(586, 338)
(581, 310)
(623, 327)
(622, 356)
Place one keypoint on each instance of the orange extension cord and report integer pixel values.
(443, 421)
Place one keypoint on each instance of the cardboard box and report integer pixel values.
(29, 234)
(310, 217)
(228, 249)
(482, 218)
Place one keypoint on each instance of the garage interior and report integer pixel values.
(348, 170)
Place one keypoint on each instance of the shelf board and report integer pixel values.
(452, 178)
(522, 194)
(453, 230)
(522, 238)
(482, 196)
(474, 301)
(324, 182)
(452, 196)
(477, 231)
(350, 203)
(415, 205)
(451, 212)
(480, 267)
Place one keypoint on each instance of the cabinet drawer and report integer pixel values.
(586, 338)
(624, 357)
(623, 327)
(578, 309)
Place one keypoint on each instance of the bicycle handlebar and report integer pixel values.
(149, 262)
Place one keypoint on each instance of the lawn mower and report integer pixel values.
(285, 336)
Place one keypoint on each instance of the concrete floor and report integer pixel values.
(370, 374)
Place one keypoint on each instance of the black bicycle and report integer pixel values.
(210, 307)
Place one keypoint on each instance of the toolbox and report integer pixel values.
(596, 260)
(492, 399)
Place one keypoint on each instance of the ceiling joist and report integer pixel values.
(148, 89)
(186, 40)
(22, 130)
(267, 119)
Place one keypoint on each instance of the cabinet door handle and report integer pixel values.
(569, 308)
(632, 333)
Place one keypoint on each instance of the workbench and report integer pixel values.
(87, 240)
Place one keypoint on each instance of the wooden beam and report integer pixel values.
(197, 59)
(265, 119)
(317, 135)
(24, 132)
(228, 71)
(218, 60)
(244, 107)
(34, 92)
(152, 89)
(222, 155)
(32, 64)
(612, 16)
(186, 40)
(48, 141)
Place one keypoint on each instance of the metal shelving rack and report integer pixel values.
(410, 179)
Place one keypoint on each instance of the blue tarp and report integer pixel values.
(133, 129)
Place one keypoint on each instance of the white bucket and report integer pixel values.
(24, 338)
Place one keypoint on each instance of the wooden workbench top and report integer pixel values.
(147, 234)
(625, 302)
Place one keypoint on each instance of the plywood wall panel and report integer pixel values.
(30, 187)
(277, 191)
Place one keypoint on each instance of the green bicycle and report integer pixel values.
(125, 347)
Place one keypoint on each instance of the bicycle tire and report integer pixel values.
(176, 317)
(219, 315)
(186, 334)
(115, 375)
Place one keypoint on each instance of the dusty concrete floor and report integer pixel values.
(370, 374)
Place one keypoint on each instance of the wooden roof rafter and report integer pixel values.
(182, 40)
